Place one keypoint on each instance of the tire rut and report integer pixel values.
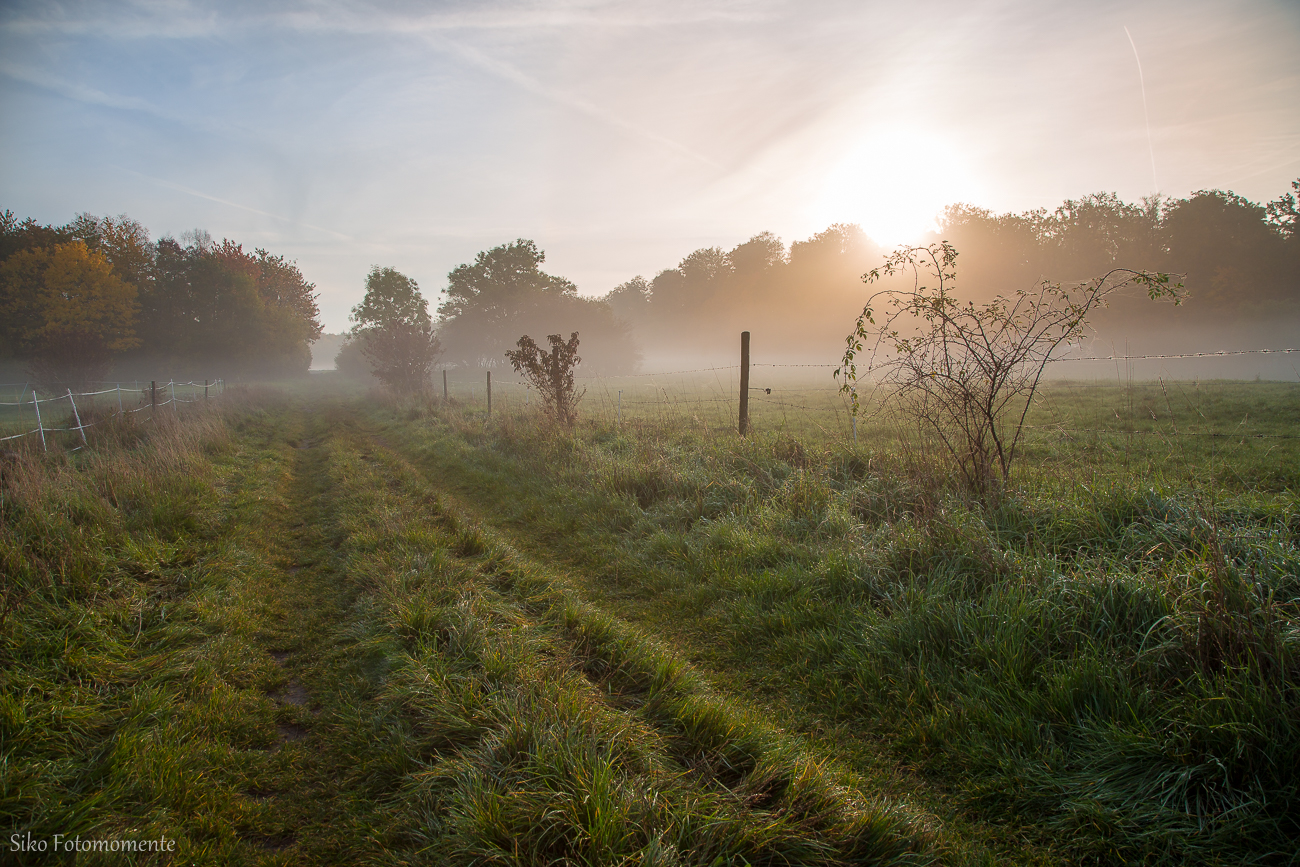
(306, 615)
(717, 741)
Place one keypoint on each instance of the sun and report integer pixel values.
(894, 184)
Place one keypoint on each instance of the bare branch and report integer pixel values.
(960, 369)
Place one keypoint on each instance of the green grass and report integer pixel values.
(540, 730)
(1105, 664)
(306, 629)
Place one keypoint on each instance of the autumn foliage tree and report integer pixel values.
(198, 308)
(66, 313)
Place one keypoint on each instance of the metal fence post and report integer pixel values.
(81, 430)
(39, 425)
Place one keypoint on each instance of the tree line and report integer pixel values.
(1238, 260)
(97, 294)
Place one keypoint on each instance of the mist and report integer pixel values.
(1237, 263)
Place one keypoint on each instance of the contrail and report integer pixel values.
(200, 195)
(512, 74)
(1145, 116)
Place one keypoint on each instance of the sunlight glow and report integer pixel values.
(895, 184)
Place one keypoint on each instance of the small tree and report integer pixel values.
(967, 372)
(395, 331)
(551, 374)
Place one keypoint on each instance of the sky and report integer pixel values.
(620, 136)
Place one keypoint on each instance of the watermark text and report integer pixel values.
(64, 843)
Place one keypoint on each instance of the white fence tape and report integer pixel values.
(81, 427)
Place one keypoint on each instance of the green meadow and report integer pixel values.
(314, 625)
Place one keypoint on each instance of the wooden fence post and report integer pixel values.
(489, 392)
(744, 382)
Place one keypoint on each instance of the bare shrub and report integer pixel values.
(551, 374)
(967, 373)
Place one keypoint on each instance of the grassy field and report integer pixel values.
(324, 627)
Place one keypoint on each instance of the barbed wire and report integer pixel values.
(1223, 353)
(781, 403)
(666, 373)
(1220, 354)
(1117, 432)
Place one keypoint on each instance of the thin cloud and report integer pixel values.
(165, 20)
(1294, 160)
(351, 19)
(514, 75)
(372, 18)
(79, 92)
(93, 96)
(201, 195)
(431, 29)
(186, 20)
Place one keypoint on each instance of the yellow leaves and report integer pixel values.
(68, 292)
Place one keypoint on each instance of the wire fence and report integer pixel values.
(783, 395)
(147, 397)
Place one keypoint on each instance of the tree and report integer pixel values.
(499, 280)
(351, 360)
(967, 373)
(67, 312)
(216, 310)
(289, 319)
(395, 331)
(203, 309)
(551, 374)
(1233, 258)
(629, 300)
(1282, 213)
(678, 292)
(201, 314)
(122, 240)
(504, 293)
